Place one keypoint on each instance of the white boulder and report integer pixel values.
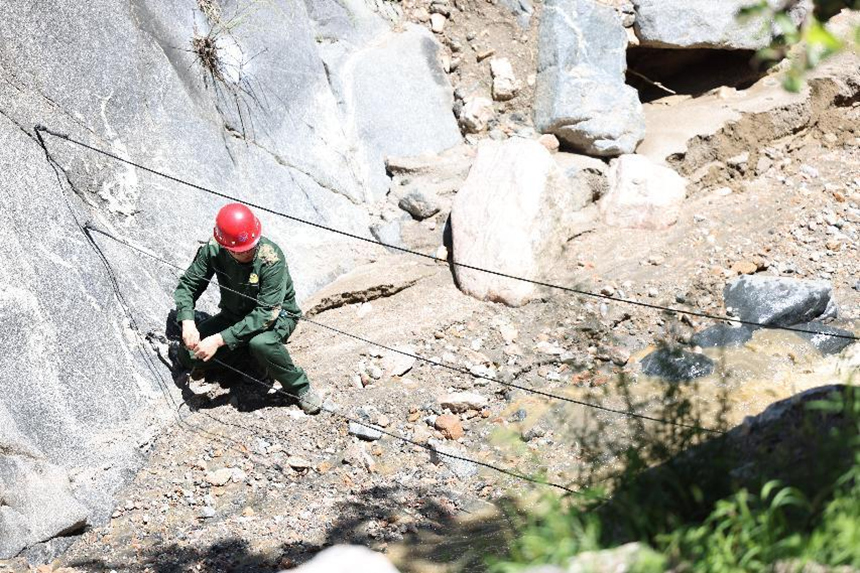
(642, 194)
(512, 215)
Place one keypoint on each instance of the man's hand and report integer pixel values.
(190, 335)
(207, 347)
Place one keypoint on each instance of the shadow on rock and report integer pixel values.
(419, 527)
(219, 386)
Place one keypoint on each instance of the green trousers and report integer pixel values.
(267, 349)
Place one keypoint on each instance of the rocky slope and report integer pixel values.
(312, 111)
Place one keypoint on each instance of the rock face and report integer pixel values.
(512, 215)
(391, 89)
(677, 365)
(36, 501)
(642, 194)
(347, 559)
(779, 301)
(261, 121)
(705, 24)
(581, 96)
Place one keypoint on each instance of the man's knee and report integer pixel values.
(260, 345)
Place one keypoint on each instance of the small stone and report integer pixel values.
(477, 113)
(831, 138)
(397, 364)
(383, 421)
(298, 463)
(450, 426)
(220, 477)
(248, 512)
(207, 512)
(420, 204)
(764, 164)
(809, 171)
(374, 371)
(744, 267)
(509, 333)
(364, 432)
(422, 15)
(549, 141)
(437, 23)
(534, 432)
(459, 402)
(833, 245)
(413, 417)
(485, 54)
(505, 84)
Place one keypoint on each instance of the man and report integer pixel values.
(258, 303)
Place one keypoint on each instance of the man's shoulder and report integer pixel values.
(211, 247)
(269, 252)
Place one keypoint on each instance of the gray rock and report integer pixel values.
(36, 499)
(722, 335)
(389, 233)
(581, 96)
(825, 344)
(779, 301)
(705, 24)
(420, 204)
(365, 432)
(459, 402)
(442, 453)
(396, 98)
(522, 9)
(676, 365)
(347, 559)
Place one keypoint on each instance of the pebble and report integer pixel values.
(450, 426)
(485, 54)
(437, 23)
(462, 401)
(298, 463)
(207, 512)
(364, 432)
(550, 142)
(374, 371)
(220, 477)
(744, 267)
(809, 171)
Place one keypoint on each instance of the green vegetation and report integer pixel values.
(787, 490)
(806, 45)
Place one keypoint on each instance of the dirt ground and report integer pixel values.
(247, 482)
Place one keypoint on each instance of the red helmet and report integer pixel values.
(236, 228)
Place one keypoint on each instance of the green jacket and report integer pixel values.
(253, 293)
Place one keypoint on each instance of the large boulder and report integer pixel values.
(642, 194)
(36, 500)
(512, 215)
(779, 301)
(706, 24)
(347, 559)
(394, 96)
(581, 95)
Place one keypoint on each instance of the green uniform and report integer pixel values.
(258, 309)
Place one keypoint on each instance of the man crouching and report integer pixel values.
(258, 303)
